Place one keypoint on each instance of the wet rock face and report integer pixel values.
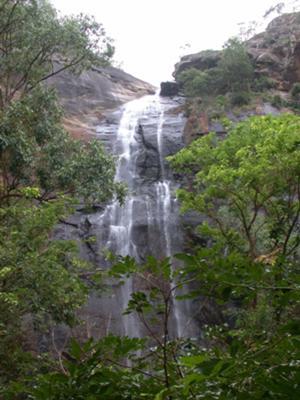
(151, 211)
(147, 157)
(156, 228)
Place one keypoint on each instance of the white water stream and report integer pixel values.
(157, 202)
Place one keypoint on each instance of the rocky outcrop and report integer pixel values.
(203, 60)
(154, 218)
(87, 98)
(169, 89)
(199, 124)
(275, 53)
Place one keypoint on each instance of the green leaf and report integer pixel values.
(162, 395)
(75, 349)
(194, 361)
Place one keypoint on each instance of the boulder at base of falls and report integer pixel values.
(169, 89)
(87, 98)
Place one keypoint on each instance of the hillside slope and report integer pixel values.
(275, 58)
(274, 53)
(88, 97)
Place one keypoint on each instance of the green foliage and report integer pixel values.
(277, 101)
(234, 74)
(258, 358)
(201, 83)
(36, 151)
(246, 370)
(295, 91)
(36, 44)
(255, 359)
(222, 102)
(34, 148)
(239, 98)
(93, 371)
(120, 368)
(294, 103)
(38, 275)
(124, 368)
(247, 187)
(237, 70)
(248, 184)
(263, 83)
(39, 165)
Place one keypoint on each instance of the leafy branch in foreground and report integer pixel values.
(247, 186)
(36, 151)
(43, 173)
(247, 189)
(38, 276)
(36, 44)
(254, 355)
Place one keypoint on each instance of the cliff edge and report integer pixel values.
(87, 98)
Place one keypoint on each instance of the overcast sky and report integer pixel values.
(151, 35)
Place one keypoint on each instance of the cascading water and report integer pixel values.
(120, 217)
(147, 132)
(182, 320)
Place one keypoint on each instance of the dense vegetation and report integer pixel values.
(225, 83)
(246, 187)
(233, 74)
(232, 83)
(43, 171)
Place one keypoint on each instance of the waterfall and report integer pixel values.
(150, 211)
(120, 217)
(164, 199)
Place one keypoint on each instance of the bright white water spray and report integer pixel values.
(154, 198)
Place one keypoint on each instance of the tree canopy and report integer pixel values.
(233, 74)
(43, 171)
(35, 44)
(246, 188)
(248, 184)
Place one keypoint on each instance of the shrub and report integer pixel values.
(222, 101)
(234, 73)
(239, 98)
(236, 67)
(263, 83)
(277, 101)
(199, 83)
(295, 91)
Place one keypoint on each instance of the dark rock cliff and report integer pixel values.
(151, 213)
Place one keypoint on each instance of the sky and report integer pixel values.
(150, 36)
